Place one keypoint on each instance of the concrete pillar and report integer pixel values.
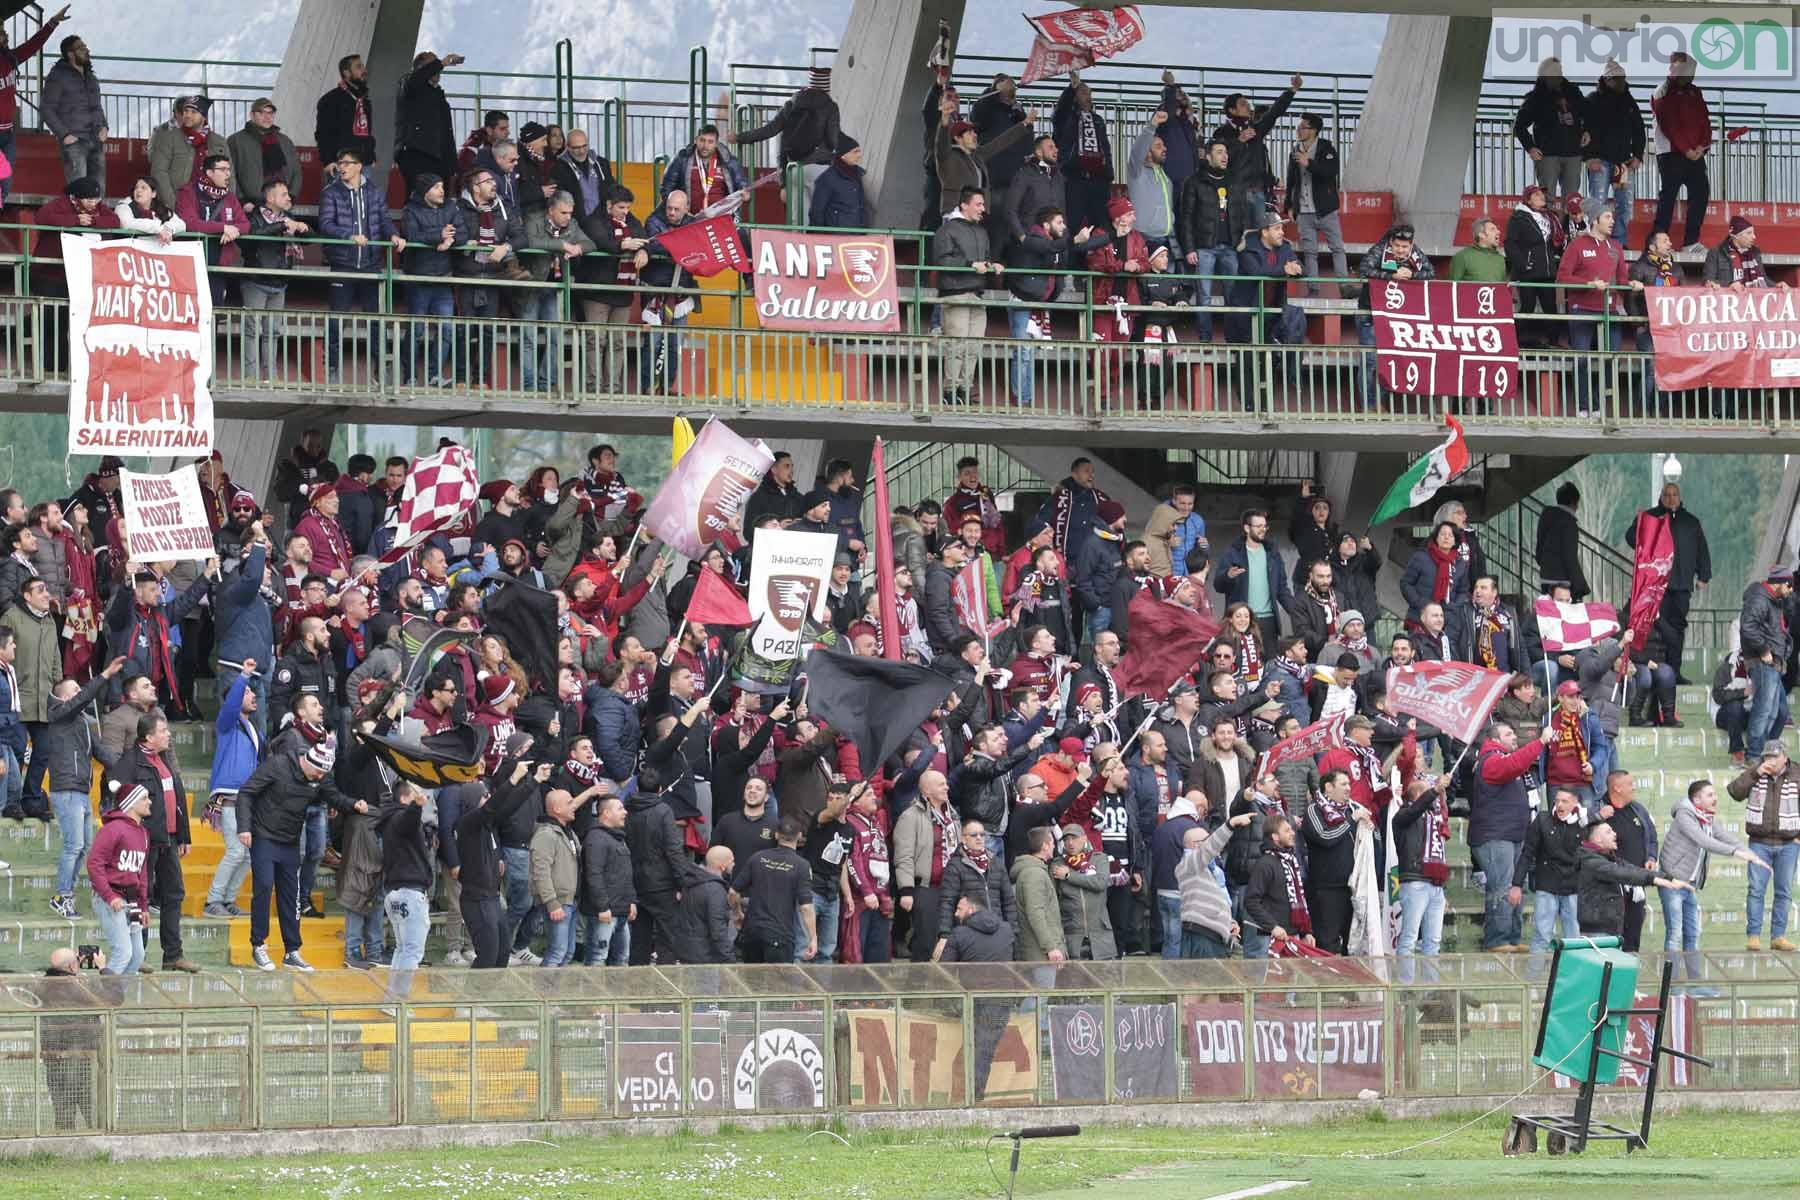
(1416, 131)
(384, 32)
(880, 81)
(1781, 540)
(251, 449)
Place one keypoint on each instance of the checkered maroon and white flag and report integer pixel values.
(440, 492)
(1573, 626)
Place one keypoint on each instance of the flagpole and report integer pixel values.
(723, 676)
(635, 535)
(668, 655)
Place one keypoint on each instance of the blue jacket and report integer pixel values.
(677, 176)
(245, 627)
(1096, 566)
(343, 214)
(839, 201)
(1019, 731)
(613, 724)
(1143, 786)
(1237, 591)
(239, 748)
(1419, 581)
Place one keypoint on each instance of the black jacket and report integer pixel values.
(300, 672)
(1616, 125)
(984, 937)
(1065, 122)
(1036, 186)
(702, 926)
(423, 124)
(562, 174)
(478, 844)
(809, 128)
(134, 767)
(1039, 262)
(1309, 620)
(1200, 215)
(732, 766)
(1693, 560)
(272, 803)
(1559, 550)
(658, 856)
(405, 859)
(992, 890)
(1248, 165)
(1528, 255)
(770, 499)
(606, 883)
(1265, 896)
(1552, 119)
(1602, 880)
(1355, 578)
(1323, 168)
(1547, 863)
(336, 120)
(982, 787)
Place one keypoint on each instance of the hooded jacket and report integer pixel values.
(659, 857)
(1683, 120)
(272, 803)
(1615, 125)
(1527, 244)
(702, 930)
(1684, 850)
(1552, 119)
(173, 159)
(1500, 810)
(984, 937)
(71, 101)
(477, 834)
(1040, 912)
(808, 125)
(118, 861)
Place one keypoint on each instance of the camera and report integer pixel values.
(88, 957)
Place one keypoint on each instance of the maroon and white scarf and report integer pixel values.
(1299, 916)
(588, 773)
(1434, 859)
(1328, 602)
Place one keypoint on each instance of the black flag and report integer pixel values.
(526, 617)
(875, 702)
(434, 760)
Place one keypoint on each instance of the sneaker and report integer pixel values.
(357, 962)
(1783, 945)
(525, 958)
(182, 964)
(63, 906)
(260, 956)
(235, 911)
(311, 911)
(459, 958)
(1753, 944)
(293, 962)
(217, 912)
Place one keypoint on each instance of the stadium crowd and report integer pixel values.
(1200, 216)
(662, 794)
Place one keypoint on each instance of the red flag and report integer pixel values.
(1048, 60)
(1100, 33)
(706, 247)
(716, 602)
(1455, 696)
(1310, 742)
(968, 592)
(884, 556)
(1167, 639)
(1655, 559)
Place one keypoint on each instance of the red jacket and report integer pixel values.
(59, 214)
(962, 504)
(228, 211)
(117, 863)
(1683, 121)
(9, 70)
(1591, 257)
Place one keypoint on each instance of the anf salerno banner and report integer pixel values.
(1707, 337)
(1434, 338)
(825, 282)
(140, 347)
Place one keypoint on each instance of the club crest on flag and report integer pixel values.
(866, 266)
(790, 598)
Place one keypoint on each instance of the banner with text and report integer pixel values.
(1455, 696)
(1098, 32)
(165, 517)
(1434, 338)
(919, 1064)
(826, 282)
(789, 574)
(707, 489)
(1297, 1054)
(1143, 1049)
(1711, 337)
(140, 347)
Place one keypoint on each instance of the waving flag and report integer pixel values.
(707, 488)
(439, 491)
(1655, 559)
(1573, 626)
(1454, 696)
(1167, 640)
(1097, 32)
(706, 247)
(1310, 742)
(1421, 481)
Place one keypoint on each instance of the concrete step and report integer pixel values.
(25, 944)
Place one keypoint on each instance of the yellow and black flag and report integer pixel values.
(434, 760)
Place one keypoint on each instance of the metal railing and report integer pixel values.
(919, 471)
(243, 1051)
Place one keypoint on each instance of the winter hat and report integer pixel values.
(1612, 70)
(198, 103)
(531, 133)
(123, 797)
(1525, 196)
(109, 468)
(1110, 512)
(425, 182)
(1270, 218)
(243, 499)
(1568, 687)
(368, 689)
(520, 543)
(1572, 203)
(959, 128)
(846, 144)
(1349, 615)
(1739, 223)
(820, 78)
(496, 688)
(323, 755)
(1117, 207)
(1773, 748)
(815, 498)
(1086, 690)
(1781, 575)
(1072, 746)
(493, 490)
(85, 188)
(1034, 527)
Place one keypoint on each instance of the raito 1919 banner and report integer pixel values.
(140, 347)
(1435, 338)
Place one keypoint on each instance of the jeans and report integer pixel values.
(1168, 912)
(1201, 943)
(234, 864)
(312, 843)
(608, 942)
(124, 938)
(275, 870)
(825, 916)
(1220, 260)
(877, 936)
(1681, 928)
(1256, 942)
(1599, 186)
(1657, 687)
(261, 329)
(1546, 911)
(1564, 171)
(522, 916)
(659, 365)
(1365, 336)
(365, 934)
(1099, 621)
(1019, 374)
(83, 158)
(562, 938)
(75, 818)
(1780, 858)
(429, 300)
(12, 784)
(1584, 335)
(1314, 231)
(410, 915)
(1768, 706)
(1503, 922)
(1733, 720)
(1421, 918)
(539, 364)
(344, 295)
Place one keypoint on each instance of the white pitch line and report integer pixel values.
(1280, 1185)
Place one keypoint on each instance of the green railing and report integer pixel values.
(247, 1051)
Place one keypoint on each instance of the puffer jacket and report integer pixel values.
(991, 889)
(69, 742)
(423, 228)
(343, 214)
(606, 884)
(52, 563)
